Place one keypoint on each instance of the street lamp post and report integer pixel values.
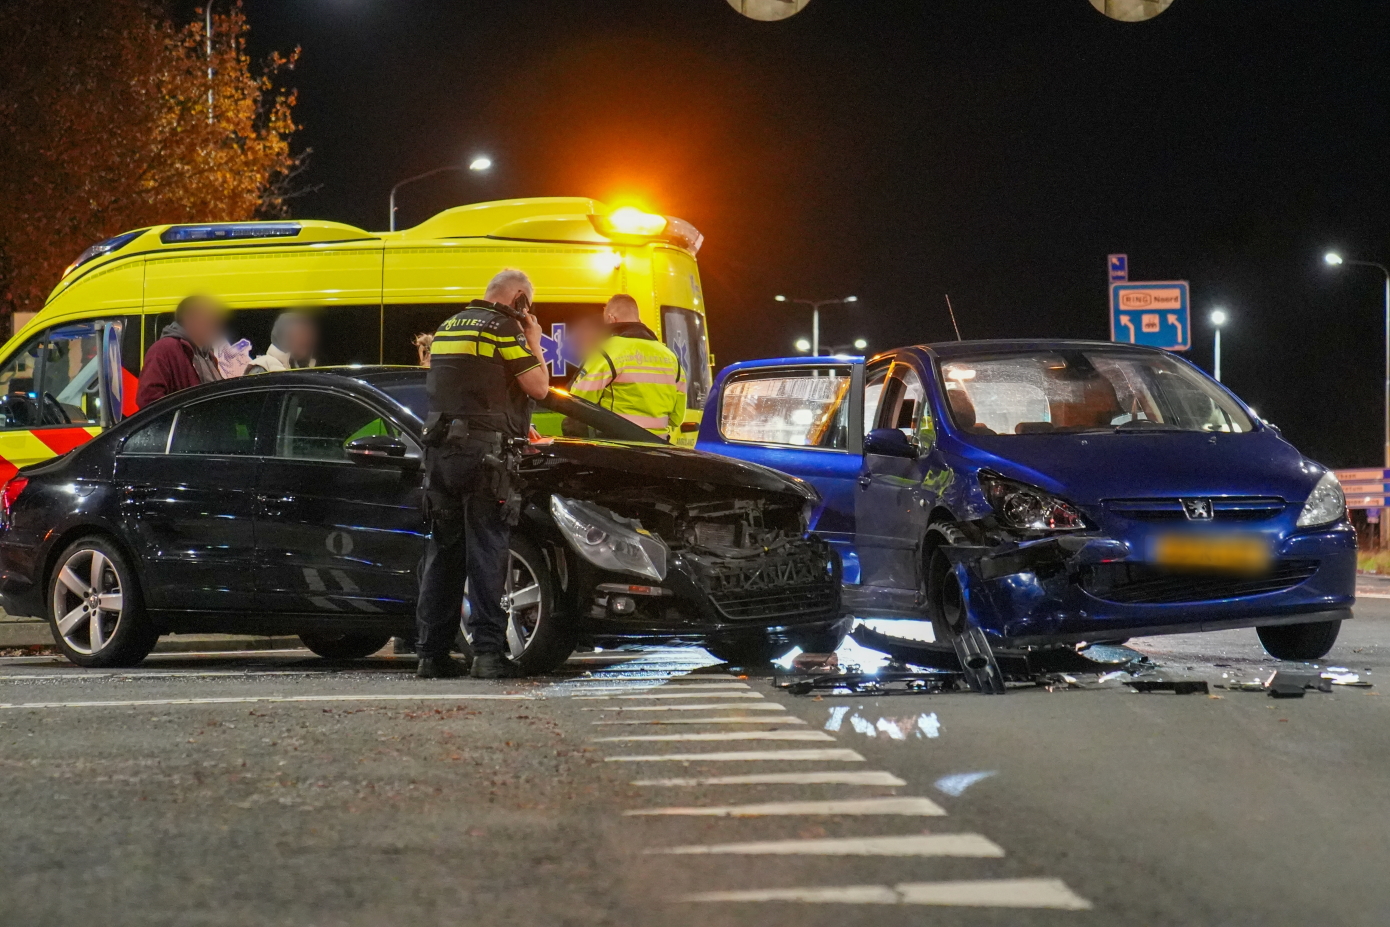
(477, 166)
(815, 305)
(1336, 260)
(1218, 319)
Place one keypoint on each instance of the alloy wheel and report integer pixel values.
(87, 600)
(521, 600)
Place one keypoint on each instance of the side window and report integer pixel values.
(150, 439)
(222, 427)
(875, 378)
(797, 408)
(317, 425)
(908, 399)
(54, 380)
(684, 331)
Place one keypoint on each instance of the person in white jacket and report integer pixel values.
(293, 341)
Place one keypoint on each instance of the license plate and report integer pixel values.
(1242, 553)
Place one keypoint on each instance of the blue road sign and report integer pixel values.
(1154, 314)
(1119, 268)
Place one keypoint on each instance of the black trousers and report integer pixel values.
(468, 541)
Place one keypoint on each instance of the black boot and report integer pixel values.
(440, 668)
(495, 666)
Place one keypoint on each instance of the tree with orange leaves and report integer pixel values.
(105, 127)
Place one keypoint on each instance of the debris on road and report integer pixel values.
(1176, 686)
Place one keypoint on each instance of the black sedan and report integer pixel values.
(290, 504)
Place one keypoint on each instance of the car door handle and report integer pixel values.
(267, 498)
(865, 480)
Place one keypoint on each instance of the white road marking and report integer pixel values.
(656, 683)
(963, 845)
(907, 807)
(256, 699)
(780, 719)
(665, 693)
(824, 777)
(846, 756)
(719, 735)
(957, 784)
(981, 893)
(78, 675)
(758, 706)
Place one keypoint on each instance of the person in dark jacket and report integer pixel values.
(183, 357)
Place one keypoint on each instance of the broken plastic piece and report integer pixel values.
(1290, 684)
(816, 663)
(1177, 686)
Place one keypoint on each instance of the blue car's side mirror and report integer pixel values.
(889, 442)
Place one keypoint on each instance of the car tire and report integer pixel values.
(950, 622)
(95, 609)
(332, 646)
(748, 649)
(539, 639)
(1301, 642)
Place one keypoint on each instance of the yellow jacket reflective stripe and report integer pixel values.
(637, 378)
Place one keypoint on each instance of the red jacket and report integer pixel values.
(168, 369)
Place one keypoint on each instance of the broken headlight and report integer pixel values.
(1028, 508)
(608, 540)
(1326, 503)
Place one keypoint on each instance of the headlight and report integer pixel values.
(1019, 505)
(1326, 504)
(608, 540)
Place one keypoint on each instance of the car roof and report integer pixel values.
(949, 349)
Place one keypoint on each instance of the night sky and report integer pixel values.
(996, 150)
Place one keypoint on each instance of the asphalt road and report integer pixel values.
(277, 789)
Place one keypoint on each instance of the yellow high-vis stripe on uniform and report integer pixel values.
(644, 383)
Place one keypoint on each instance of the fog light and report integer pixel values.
(622, 605)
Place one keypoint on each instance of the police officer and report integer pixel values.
(633, 373)
(485, 369)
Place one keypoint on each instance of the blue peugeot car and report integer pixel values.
(1036, 493)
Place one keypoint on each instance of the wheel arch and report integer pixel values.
(72, 533)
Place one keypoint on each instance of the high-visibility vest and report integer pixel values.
(639, 379)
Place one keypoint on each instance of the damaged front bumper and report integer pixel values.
(1071, 588)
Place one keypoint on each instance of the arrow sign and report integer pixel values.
(1156, 315)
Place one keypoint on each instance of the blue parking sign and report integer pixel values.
(1156, 314)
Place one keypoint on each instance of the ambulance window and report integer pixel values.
(346, 334)
(54, 380)
(684, 332)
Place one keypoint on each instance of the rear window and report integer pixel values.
(1085, 390)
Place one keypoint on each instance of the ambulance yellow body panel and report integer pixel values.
(72, 370)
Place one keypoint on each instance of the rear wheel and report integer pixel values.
(1309, 641)
(946, 602)
(94, 606)
(537, 638)
(344, 646)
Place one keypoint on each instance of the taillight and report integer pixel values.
(10, 493)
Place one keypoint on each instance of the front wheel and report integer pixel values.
(344, 646)
(538, 639)
(94, 607)
(947, 602)
(1301, 642)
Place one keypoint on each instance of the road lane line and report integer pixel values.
(845, 756)
(590, 684)
(821, 777)
(973, 846)
(980, 893)
(906, 807)
(259, 699)
(756, 706)
(667, 694)
(163, 674)
(780, 719)
(717, 735)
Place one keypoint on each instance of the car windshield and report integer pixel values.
(559, 415)
(1085, 390)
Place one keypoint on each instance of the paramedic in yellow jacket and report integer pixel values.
(633, 373)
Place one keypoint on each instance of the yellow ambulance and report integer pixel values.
(72, 369)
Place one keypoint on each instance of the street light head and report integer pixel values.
(480, 164)
(860, 344)
(1218, 317)
(780, 298)
(802, 344)
(1333, 258)
(851, 299)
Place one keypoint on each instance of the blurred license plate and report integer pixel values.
(1239, 553)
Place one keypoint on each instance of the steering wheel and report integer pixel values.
(20, 410)
(51, 404)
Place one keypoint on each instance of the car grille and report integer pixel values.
(1141, 584)
(798, 581)
(1223, 508)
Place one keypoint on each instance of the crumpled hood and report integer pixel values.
(669, 462)
(1088, 468)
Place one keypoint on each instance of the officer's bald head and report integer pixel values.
(621, 308)
(504, 287)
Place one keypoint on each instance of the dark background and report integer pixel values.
(995, 150)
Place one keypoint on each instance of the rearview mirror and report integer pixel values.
(377, 448)
(889, 442)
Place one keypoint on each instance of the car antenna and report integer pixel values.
(954, 323)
